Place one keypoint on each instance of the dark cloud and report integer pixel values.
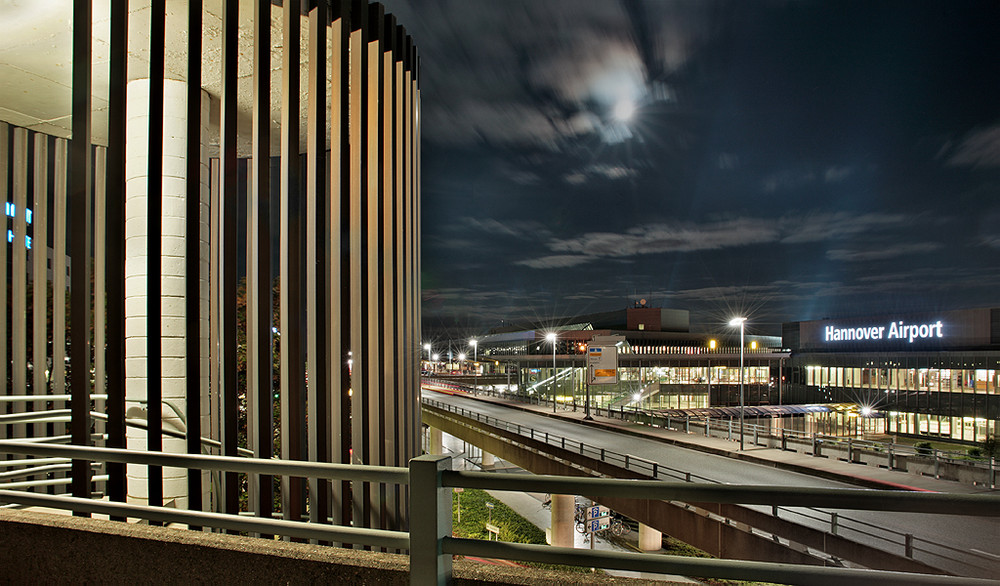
(803, 159)
(979, 148)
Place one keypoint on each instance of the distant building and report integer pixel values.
(933, 374)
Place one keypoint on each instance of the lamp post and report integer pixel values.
(740, 321)
(552, 338)
(475, 365)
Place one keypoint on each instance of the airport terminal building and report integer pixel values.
(932, 374)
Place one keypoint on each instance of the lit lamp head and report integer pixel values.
(473, 342)
(737, 321)
(551, 337)
(461, 356)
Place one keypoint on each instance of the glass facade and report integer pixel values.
(948, 395)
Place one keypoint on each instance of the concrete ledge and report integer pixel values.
(43, 548)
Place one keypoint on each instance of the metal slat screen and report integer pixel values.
(295, 240)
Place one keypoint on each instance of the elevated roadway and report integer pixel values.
(960, 545)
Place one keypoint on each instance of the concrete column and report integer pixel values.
(175, 228)
(435, 442)
(563, 513)
(488, 460)
(650, 539)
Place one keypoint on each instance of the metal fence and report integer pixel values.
(947, 464)
(837, 523)
(430, 541)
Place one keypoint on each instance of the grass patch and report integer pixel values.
(513, 527)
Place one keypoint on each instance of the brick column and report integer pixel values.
(172, 278)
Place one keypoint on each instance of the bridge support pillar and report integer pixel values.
(649, 539)
(435, 441)
(489, 460)
(563, 521)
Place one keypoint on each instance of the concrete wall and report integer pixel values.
(40, 548)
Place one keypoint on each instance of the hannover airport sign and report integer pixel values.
(894, 331)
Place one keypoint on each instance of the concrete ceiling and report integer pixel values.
(36, 62)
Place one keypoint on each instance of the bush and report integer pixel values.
(975, 453)
(924, 448)
(990, 447)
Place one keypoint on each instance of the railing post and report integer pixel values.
(937, 464)
(730, 436)
(850, 449)
(833, 523)
(430, 521)
(708, 421)
(687, 424)
(993, 472)
(784, 441)
(755, 435)
(909, 545)
(892, 458)
(602, 454)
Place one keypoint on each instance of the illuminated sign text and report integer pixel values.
(894, 331)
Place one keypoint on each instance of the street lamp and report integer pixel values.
(475, 365)
(428, 348)
(552, 338)
(740, 321)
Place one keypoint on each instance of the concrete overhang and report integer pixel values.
(36, 63)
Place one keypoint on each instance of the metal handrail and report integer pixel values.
(373, 537)
(652, 469)
(274, 467)
(984, 505)
(430, 542)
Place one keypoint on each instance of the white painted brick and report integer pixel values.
(173, 326)
(135, 367)
(173, 367)
(173, 246)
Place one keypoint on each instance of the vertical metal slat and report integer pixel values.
(154, 245)
(228, 211)
(19, 276)
(317, 202)
(79, 207)
(259, 319)
(4, 168)
(114, 247)
(40, 282)
(291, 350)
(192, 259)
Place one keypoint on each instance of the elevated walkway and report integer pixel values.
(823, 467)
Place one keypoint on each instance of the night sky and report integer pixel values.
(786, 160)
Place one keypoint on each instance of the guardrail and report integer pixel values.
(430, 542)
(941, 464)
(889, 540)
